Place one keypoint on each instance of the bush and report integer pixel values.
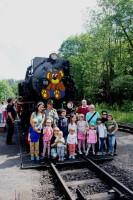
(123, 114)
(127, 106)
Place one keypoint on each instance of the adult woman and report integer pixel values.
(112, 128)
(92, 115)
(91, 118)
(39, 116)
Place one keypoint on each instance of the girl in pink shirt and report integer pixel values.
(47, 135)
(91, 138)
(81, 129)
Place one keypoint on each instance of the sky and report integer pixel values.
(31, 28)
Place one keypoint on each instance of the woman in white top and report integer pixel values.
(39, 116)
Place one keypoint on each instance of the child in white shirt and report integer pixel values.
(102, 134)
(72, 142)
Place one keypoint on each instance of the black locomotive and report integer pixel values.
(48, 78)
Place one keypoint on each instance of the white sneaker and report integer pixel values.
(99, 153)
(70, 157)
(73, 157)
(80, 152)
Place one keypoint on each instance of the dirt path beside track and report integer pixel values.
(124, 159)
(15, 184)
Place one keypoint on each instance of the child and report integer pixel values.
(33, 137)
(48, 133)
(81, 130)
(60, 141)
(102, 134)
(72, 123)
(63, 123)
(53, 144)
(72, 142)
(91, 138)
(112, 127)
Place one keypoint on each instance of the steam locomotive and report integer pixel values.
(48, 78)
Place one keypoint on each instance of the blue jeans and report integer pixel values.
(101, 144)
(111, 139)
(61, 151)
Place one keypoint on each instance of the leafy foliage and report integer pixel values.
(102, 58)
(8, 88)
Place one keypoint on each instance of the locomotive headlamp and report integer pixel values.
(53, 56)
(70, 105)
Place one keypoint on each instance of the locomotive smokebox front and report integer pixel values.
(49, 78)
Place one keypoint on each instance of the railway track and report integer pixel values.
(125, 128)
(88, 181)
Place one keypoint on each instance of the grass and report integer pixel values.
(118, 115)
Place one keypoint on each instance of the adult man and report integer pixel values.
(84, 108)
(51, 113)
(11, 115)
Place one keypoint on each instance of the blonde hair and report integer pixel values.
(92, 106)
(48, 120)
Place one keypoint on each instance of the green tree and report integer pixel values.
(6, 90)
(103, 56)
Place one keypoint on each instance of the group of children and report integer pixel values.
(72, 135)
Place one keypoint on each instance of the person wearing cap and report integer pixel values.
(51, 113)
(112, 128)
(84, 108)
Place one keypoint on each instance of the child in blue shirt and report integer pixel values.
(63, 123)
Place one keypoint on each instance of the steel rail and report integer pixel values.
(125, 128)
(68, 194)
(110, 180)
(80, 195)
